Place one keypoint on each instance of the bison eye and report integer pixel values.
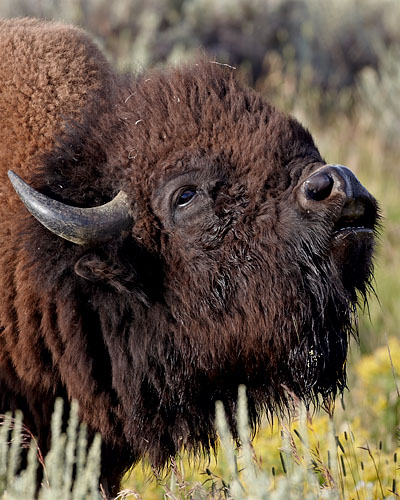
(185, 197)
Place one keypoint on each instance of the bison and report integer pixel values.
(177, 236)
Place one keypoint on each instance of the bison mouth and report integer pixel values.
(356, 222)
(350, 234)
(352, 244)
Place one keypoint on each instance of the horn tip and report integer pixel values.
(15, 179)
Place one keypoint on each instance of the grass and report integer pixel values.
(300, 458)
(352, 455)
(70, 451)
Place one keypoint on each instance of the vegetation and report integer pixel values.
(334, 65)
(70, 454)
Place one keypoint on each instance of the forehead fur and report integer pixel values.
(204, 107)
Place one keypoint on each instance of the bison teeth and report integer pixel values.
(355, 231)
(352, 228)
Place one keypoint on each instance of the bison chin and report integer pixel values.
(317, 364)
(352, 250)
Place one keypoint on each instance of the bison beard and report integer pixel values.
(241, 262)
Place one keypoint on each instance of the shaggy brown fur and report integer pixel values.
(50, 75)
(241, 285)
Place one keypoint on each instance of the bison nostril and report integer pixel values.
(319, 186)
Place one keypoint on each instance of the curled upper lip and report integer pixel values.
(357, 215)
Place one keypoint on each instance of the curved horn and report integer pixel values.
(79, 225)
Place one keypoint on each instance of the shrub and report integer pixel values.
(70, 471)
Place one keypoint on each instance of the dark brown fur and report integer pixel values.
(149, 330)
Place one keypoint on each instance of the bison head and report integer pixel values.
(232, 254)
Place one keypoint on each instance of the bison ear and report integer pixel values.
(91, 267)
(98, 269)
(94, 268)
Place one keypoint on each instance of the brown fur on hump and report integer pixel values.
(50, 74)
